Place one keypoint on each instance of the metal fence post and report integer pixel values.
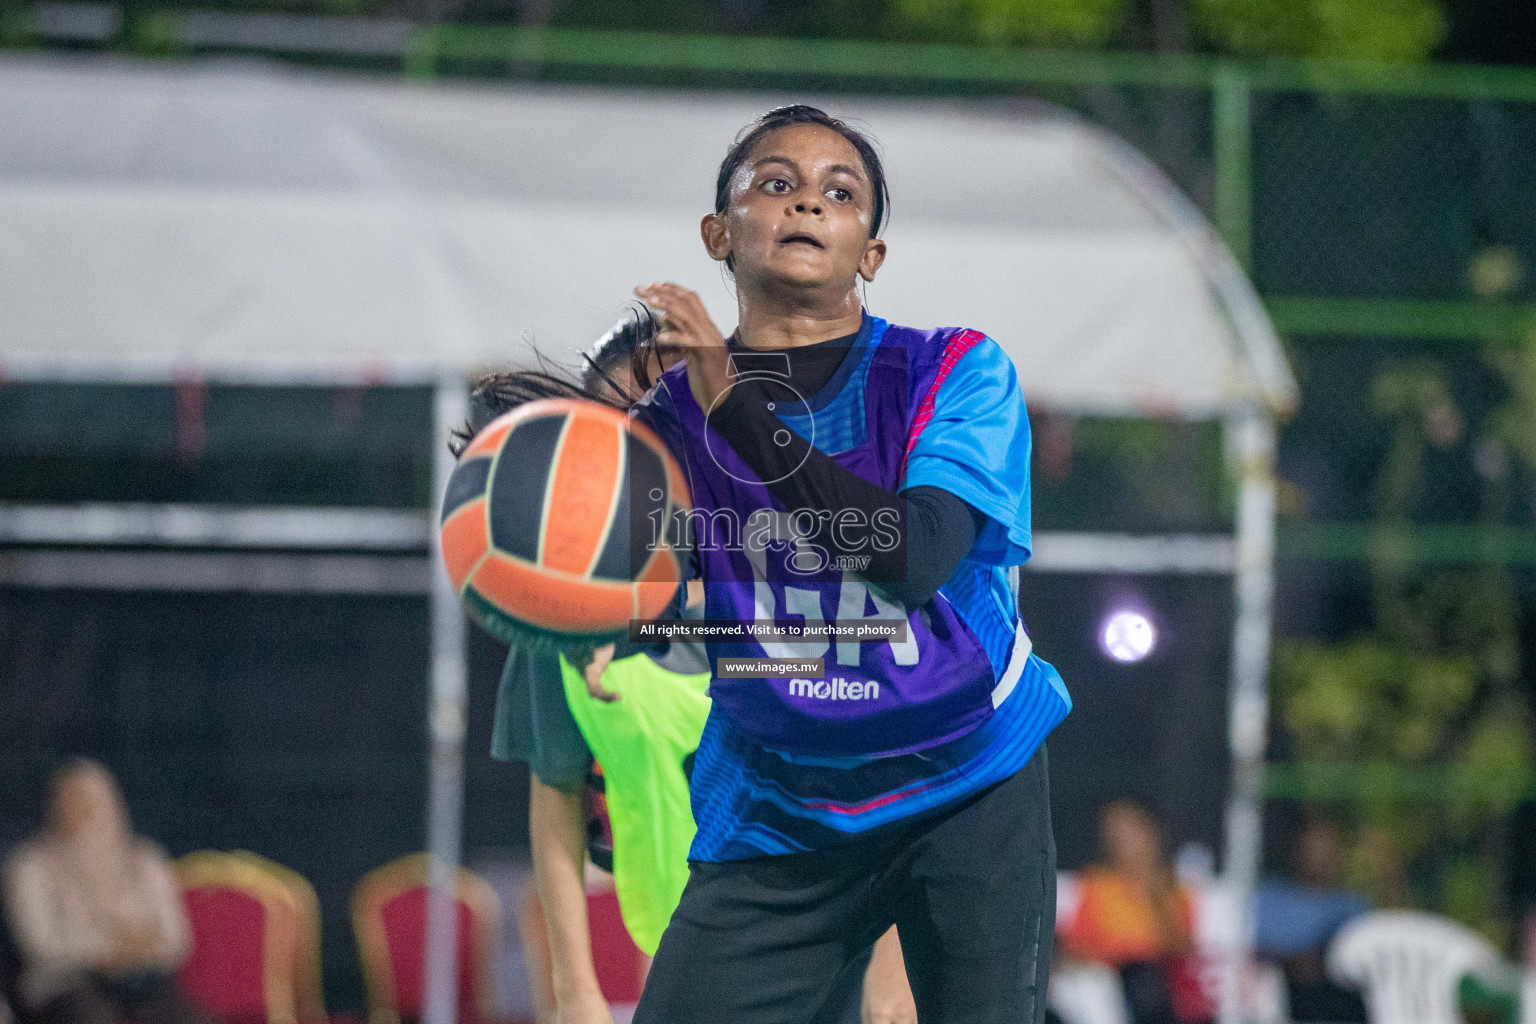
(1251, 447)
(1232, 131)
(421, 54)
(445, 715)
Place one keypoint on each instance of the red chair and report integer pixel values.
(245, 934)
(389, 916)
(308, 978)
(620, 965)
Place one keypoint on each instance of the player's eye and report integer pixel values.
(777, 185)
(840, 194)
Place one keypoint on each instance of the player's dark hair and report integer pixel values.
(496, 394)
(802, 113)
(741, 148)
(632, 340)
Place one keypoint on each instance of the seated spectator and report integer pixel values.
(1134, 916)
(95, 913)
(1298, 916)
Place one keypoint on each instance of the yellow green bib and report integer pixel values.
(641, 742)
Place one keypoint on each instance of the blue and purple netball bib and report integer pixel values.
(759, 564)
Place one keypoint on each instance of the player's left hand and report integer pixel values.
(896, 1010)
(685, 324)
(887, 995)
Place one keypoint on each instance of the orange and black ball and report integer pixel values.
(555, 524)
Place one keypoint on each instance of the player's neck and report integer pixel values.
(769, 321)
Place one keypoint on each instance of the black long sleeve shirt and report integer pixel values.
(934, 528)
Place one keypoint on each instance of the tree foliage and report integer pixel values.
(1030, 22)
(1386, 30)
(1433, 685)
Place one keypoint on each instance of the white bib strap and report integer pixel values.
(1022, 646)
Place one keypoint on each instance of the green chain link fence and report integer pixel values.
(1388, 218)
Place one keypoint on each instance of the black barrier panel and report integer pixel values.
(1155, 730)
(290, 726)
(1118, 475)
(362, 445)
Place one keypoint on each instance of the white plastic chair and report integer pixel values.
(1088, 994)
(1264, 995)
(1409, 964)
(1083, 993)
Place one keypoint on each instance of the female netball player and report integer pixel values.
(632, 819)
(563, 724)
(848, 468)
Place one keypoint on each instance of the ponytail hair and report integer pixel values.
(495, 394)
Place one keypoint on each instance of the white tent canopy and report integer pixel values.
(236, 220)
(240, 222)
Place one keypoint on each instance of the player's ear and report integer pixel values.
(716, 235)
(873, 258)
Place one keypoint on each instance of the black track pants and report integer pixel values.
(971, 889)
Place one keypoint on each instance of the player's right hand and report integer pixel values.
(593, 673)
(686, 325)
